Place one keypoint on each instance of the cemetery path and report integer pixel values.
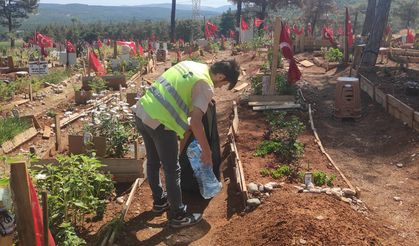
(369, 150)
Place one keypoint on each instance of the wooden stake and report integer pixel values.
(275, 55)
(57, 133)
(346, 48)
(45, 217)
(30, 91)
(22, 203)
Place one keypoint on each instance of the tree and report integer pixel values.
(407, 11)
(380, 22)
(369, 17)
(227, 22)
(313, 10)
(173, 22)
(12, 12)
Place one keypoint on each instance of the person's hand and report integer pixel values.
(206, 157)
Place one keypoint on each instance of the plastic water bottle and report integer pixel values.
(208, 184)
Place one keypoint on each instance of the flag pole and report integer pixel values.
(346, 49)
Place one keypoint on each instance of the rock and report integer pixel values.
(325, 190)
(310, 186)
(261, 188)
(337, 192)
(253, 202)
(268, 187)
(302, 241)
(316, 190)
(399, 165)
(252, 187)
(397, 198)
(348, 192)
(320, 217)
(120, 200)
(274, 184)
(345, 199)
(267, 195)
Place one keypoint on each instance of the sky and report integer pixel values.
(212, 3)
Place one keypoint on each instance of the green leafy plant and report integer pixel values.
(333, 55)
(256, 82)
(283, 87)
(270, 57)
(10, 127)
(267, 147)
(265, 172)
(76, 188)
(321, 178)
(281, 137)
(98, 84)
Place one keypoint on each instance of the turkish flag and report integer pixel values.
(210, 29)
(328, 34)
(285, 44)
(37, 217)
(95, 64)
(69, 47)
(130, 44)
(340, 31)
(244, 25)
(258, 22)
(99, 43)
(232, 34)
(349, 29)
(140, 49)
(309, 29)
(410, 38)
(296, 30)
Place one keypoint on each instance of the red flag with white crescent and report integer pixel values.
(244, 25)
(258, 22)
(285, 44)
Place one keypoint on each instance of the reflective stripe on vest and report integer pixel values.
(172, 91)
(154, 91)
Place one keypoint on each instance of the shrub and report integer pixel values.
(76, 188)
(265, 172)
(321, 178)
(98, 84)
(267, 147)
(333, 55)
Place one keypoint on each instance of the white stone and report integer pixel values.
(399, 165)
(120, 200)
(397, 198)
(320, 217)
(268, 187)
(302, 241)
(274, 184)
(252, 187)
(261, 188)
(347, 200)
(253, 202)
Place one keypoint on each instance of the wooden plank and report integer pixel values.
(257, 103)
(58, 145)
(416, 121)
(367, 86)
(19, 139)
(284, 107)
(47, 132)
(400, 110)
(319, 143)
(271, 98)
(306, 63)
(22, 203)
(235, 119)
(380, 97)
(277, 32)
(240, 87)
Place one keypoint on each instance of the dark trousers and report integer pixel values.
(162, 147)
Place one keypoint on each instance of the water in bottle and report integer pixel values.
(208, 184)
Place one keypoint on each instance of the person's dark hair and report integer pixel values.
(230, 69)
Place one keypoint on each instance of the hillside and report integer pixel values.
(64, 13)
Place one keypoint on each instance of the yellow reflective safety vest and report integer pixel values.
(169, 99)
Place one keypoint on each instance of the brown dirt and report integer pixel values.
(287, 216)
(366, 150)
